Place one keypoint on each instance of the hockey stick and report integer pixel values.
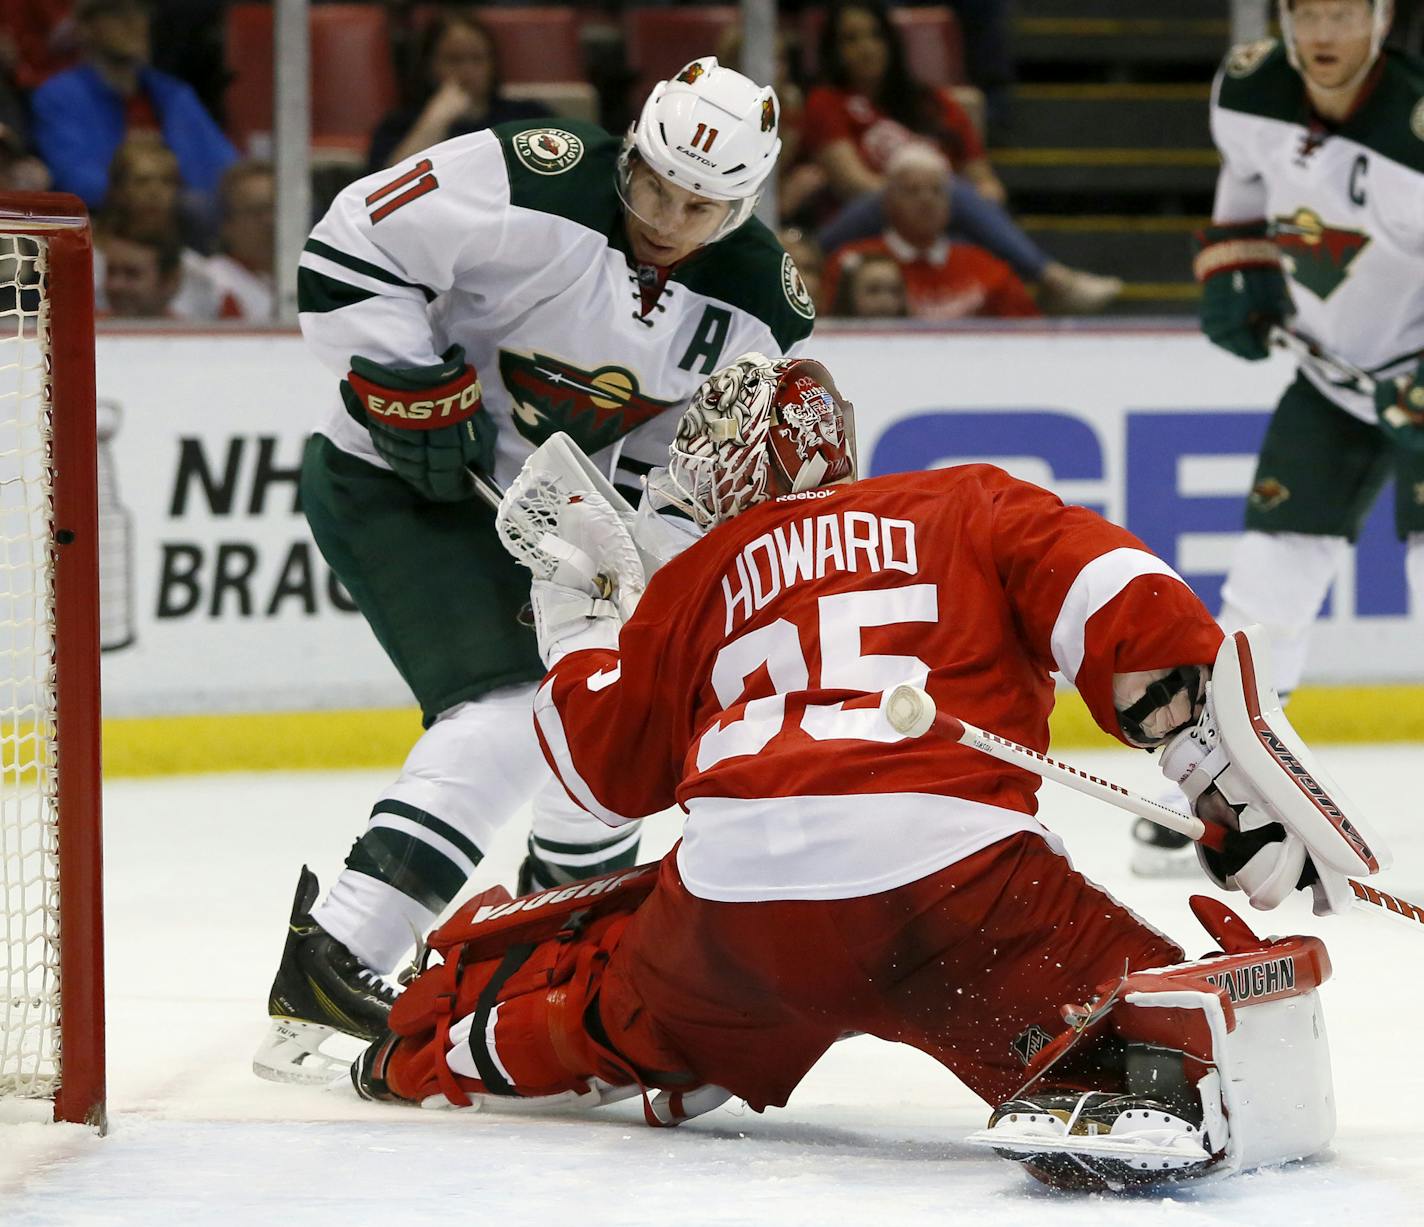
(1331, 366)
(486, 487)
(911, 711)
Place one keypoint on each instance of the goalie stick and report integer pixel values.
(911, 711)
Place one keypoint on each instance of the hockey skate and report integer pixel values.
(1098, 1141)
(322, 993)
(1161, 853)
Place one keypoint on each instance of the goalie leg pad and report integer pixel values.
(1204, 1068)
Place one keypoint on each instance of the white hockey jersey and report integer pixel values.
(510, 242)
(1345, 203)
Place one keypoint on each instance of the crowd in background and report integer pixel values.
(887, 194)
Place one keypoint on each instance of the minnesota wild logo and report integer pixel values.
(594, 408)
(1315, 255)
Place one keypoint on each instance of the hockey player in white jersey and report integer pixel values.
(1319, 224)
(472, 301)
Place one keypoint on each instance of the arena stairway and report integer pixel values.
(1105, 147)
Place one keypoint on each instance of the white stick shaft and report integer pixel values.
(912, 711)
(1090, 785)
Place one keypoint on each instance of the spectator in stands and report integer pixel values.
(870, 107)
(142, 274)
(871, 286)
(458, 92)
(143, 203)
(943, 280)
(38, 39)
(83, 115)
(806, 254)
(242, 269)
(800, 180)
(20, 171)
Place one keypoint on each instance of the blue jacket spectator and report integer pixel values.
(82, 116)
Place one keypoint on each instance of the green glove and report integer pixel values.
(427, 422)
(1243, 288)
(1401, 409)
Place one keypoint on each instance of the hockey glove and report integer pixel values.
(1243, 288)
(1401, 409)
(427, 422)
(1244, 768)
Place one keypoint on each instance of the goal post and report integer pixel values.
(52, 1045)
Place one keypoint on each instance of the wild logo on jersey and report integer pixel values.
(1316, 255)
(594, 408)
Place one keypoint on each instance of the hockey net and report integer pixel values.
(51, 947)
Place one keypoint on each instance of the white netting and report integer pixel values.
(29, 946)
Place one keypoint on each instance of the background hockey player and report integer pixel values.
(475, 299)
(837, 876)
(1319, 221)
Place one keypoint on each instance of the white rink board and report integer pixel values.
(215, 599)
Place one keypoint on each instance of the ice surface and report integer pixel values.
(200, 873)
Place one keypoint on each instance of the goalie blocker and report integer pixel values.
(1244, 767)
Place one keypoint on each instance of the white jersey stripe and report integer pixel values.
(546, 715)
(1097, 584)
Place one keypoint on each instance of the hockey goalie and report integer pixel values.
(836, 875)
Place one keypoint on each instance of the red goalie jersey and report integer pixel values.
(745, 687)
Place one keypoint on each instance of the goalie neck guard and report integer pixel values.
(710, 130)
(756, 430)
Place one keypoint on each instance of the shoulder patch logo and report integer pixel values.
(1246, 58)
(548, 151)
(1416, 120)
(796, 292)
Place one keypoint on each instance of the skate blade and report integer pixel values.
(304, 1053)
(1153, 1144)
(1175, 867)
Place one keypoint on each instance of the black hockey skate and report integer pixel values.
(321, 990)
(368, 1071)
(1099, 1141)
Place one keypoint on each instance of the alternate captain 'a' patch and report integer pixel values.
(594, 408)
(548, 151)
(1315, 255)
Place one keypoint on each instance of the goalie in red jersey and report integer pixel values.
(837, 876)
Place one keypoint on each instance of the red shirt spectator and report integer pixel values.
(834, 114)
(945, 281)
(942, 280)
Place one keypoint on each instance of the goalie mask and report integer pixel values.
(759, 429)
(711, 131)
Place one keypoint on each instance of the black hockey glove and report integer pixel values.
(1401, 409)
(427, 422)
(1243, 288)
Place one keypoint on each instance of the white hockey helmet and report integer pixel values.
(1383, 17)
(758, 429)
(710, 130)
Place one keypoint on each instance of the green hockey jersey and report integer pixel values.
(510, 242)
(1345, 202)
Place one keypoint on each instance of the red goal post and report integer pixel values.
(52, 1043)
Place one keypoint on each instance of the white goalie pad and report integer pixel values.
(1244, 744)
(1248, 1028)
(563, 520)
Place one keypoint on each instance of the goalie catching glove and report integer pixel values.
(427, 422)
(1243, 767)
(1243, 288)
(562, 520)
